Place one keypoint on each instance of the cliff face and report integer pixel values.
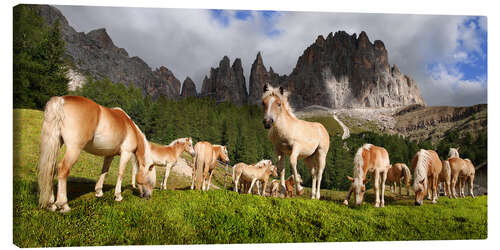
(188, 88)
(348, 71)
(341, 71)
(259, 76)
(95, 53)
(226, 83)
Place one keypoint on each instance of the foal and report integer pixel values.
(397, 172)
(255, 173)
(167, 156)
(205, 160)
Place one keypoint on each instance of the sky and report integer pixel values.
(445, 54)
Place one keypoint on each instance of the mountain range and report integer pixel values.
(339, 71)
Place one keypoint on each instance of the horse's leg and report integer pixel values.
(104, 171)
(210, 178)
(384, 177)
(70, 157)
(167, 174)
(453, 185)
(312, 167)
(124, 158)
(251, 185)
(321, 167)
(134, 170)
(434, 188)
(293, 163)
(264, 186)
(236, 180)
(376, 186)
(471, 185)
(400, 186)
(281, 169)
(346, 201)
(462, 192)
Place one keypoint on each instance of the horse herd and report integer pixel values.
(82, 124)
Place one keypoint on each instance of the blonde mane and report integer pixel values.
(453, 153)
(177, 140)
(359, 162)
(421, 168)
(283, 97)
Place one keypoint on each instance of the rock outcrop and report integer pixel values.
(259, 76)
(95, 54)
(344, 71)
(188, 88)
(226, 83)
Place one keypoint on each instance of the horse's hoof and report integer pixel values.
(346, 202)
(133, 186)
(377, 205)
(382, 205)
(434, 201)
(118, 198)
(99, 193)
(52, 207)
(65, 208)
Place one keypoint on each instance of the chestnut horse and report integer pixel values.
(291, 136)
(290, 186)
(205, 160)
(242, 174)
(369, 158)
(258, 172)
(457, 166)
(396, 173)
(467, 174)
(167, 156)
(426, 167)
(82, 124)
(445, 177)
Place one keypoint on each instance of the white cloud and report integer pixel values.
(189, 42)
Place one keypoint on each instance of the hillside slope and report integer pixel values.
(178, 216)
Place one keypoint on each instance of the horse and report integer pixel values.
(426, 167)
(275, 185)
(457, 166)
(290, 186)
(258, 172)
(240, 170)
(167, 156)
(205, 160)
(397, 172)
(294, 137)
(369, 158)
(467, 174)
(445, 177)
(82, 124)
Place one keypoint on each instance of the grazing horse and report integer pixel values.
(467, 174)
(167, 156)
(397, 172)
(445, 177)
(82, 124)
(369, 158)
(258, 172)
(205, 160)
(290, 186)
(426, 167)
(457, 166)
(298, 138)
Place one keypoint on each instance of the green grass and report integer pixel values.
(332, 126)
(179, 216)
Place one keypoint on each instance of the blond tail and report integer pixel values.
(50, 143)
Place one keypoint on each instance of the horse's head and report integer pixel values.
(358, 187)
(224, 156)
(420, 188)
(453, 152)
(275, 170)
(146, 180)
(272, 103)
(188, 146)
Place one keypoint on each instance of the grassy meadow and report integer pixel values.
(183, 216)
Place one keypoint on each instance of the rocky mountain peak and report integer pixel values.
(102, 38)
(226, 83)
(188, 88)
(259, 76)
